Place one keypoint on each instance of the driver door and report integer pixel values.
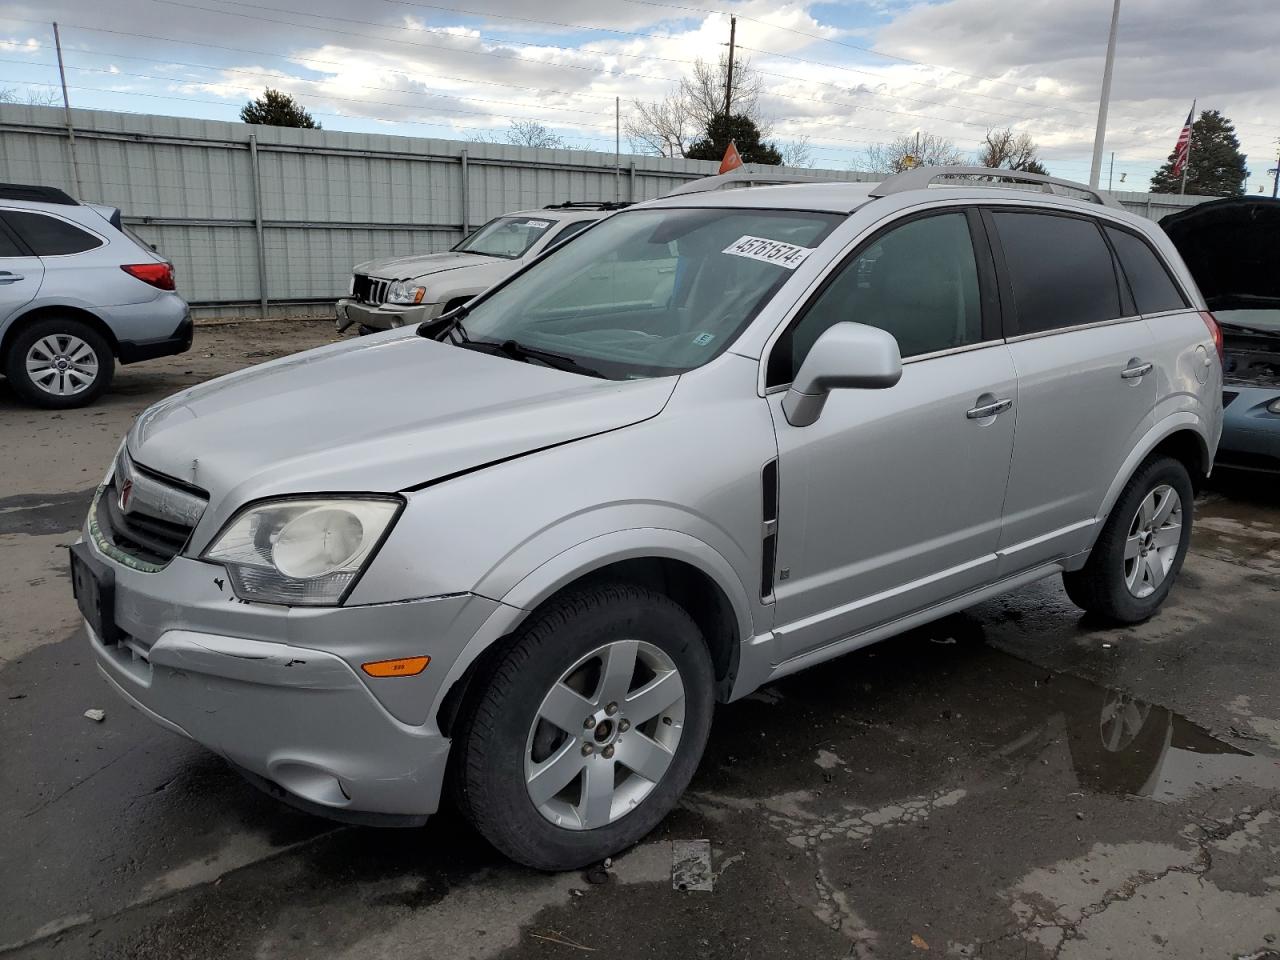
(892, 500)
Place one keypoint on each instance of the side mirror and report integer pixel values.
(850, 356)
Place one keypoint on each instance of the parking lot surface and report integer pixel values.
(1015, 781)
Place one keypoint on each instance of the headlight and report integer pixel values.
(302, 552)
(405, 292)
(1274, 406)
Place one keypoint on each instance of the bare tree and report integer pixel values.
(668, 127)
(905, 152)
(33, 97)
(1011, 151)
(797, 153)
(531, 133)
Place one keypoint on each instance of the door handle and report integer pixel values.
(1135, 370)
(7, 277)
(992, 409)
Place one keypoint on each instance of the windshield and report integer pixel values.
(1264, 321)
(655, 292)
(507, 237)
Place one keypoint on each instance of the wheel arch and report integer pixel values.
(54, 311)
(1181, 436)
(709, 592)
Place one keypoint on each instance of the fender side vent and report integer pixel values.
(769, 516)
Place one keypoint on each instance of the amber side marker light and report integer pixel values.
(403, 667)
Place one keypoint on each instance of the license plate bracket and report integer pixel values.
(94, 587)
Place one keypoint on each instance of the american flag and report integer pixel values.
(1183, 148)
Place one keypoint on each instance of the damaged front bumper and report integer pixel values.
(1250, 431)
(278, 691)
(385, 317)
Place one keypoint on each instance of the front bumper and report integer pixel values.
(1250, 434)
(278, 692)
(385, 317)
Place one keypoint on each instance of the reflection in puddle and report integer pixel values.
(1123, 745)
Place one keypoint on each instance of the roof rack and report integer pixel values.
(588, 205)
(24, 191)
(742, 177)
(919, 178)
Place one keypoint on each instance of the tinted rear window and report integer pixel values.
(1153, 288)
(1060, 269)
(8, 246)
(49, 236)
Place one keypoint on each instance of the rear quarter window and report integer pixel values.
(1060, 269)
(1153, 288)
(48, 236)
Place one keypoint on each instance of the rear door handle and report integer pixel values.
(989, 409)
(7, 277)
(1136, 370)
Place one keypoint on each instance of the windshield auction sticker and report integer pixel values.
(786, 255)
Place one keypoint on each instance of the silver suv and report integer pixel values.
(402, 291)
(78, 291)
(723, 436)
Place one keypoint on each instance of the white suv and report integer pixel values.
(401, 291)
(725, 436)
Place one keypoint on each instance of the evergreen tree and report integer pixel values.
(1216, 167)
(277, 109)
(743, 131)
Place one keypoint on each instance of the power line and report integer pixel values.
(852, 46)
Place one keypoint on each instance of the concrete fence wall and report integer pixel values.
(254, 215)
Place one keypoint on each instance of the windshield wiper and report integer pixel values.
(518, 351)
(449, 323)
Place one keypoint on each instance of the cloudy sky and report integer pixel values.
(844, 74)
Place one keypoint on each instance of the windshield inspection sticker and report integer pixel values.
(786, 255)
(703, 339)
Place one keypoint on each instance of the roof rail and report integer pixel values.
(919, 178)
(588, 205)
(24, 191)
(742, 177)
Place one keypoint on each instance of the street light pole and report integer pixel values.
(1095, 171)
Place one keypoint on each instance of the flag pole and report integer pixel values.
(1183, 189)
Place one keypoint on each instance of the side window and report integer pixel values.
(1060, 269)
(571, 229)
(8, 246)
(918, 281)
(49, 236)
(1153, 289)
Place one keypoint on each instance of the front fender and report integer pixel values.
(571, 564)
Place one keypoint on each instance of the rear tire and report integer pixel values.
(563, 656)
(58, 363)
(1140, 550)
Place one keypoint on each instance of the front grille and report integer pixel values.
(1227, 397)
(153, 521)
(370, 289)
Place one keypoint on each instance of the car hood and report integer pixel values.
(379, 414)
(1231, 248)
(423, 265)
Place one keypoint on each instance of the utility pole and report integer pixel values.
(728, 82)
(66, 109)
(617, 149)
(1275, 184)
(1112, 171)
(1095, 170)
(1191, 136)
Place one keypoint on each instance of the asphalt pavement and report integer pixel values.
(1014, 782)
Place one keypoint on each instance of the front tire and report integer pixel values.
(589, 728)
(1140, 550)
(58, 363)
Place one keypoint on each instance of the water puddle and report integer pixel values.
(1123, 745)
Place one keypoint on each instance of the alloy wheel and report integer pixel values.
(1152, 542)
(62, 364)
(605, 734)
